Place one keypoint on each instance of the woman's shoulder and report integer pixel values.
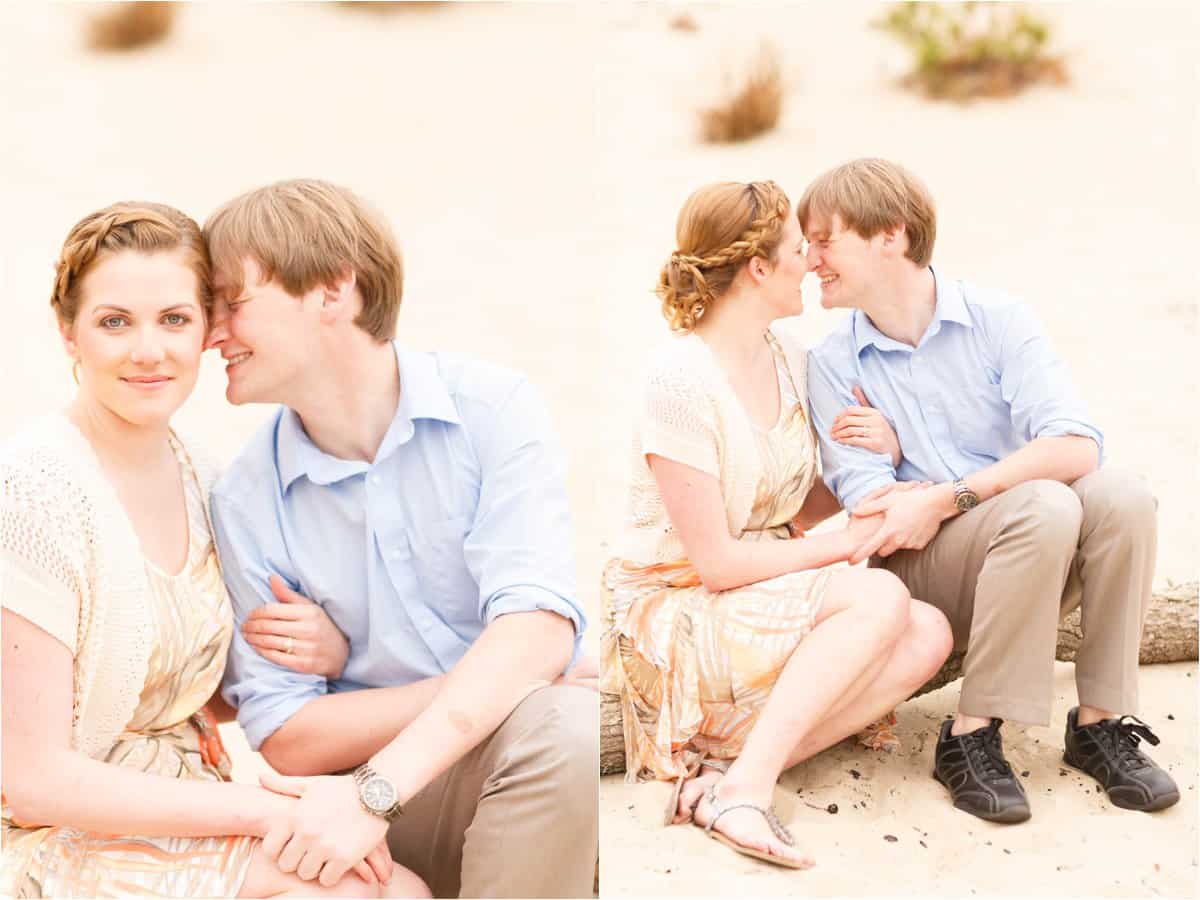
(681, 362)
(48, 455)
(203, 461)
(786, 333)
(787, 338)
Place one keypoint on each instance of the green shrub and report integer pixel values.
(974, 49)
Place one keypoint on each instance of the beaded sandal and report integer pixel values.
(720, 765)
(777, 829)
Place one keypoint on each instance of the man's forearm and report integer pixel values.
(516, 654)
(335, 732)
(1066, 459)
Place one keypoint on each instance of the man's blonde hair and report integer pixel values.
(870, 196)
(304, 233)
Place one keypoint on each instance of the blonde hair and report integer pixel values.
(873, 195)
(141, 227)
(304, 233)
(721, 227)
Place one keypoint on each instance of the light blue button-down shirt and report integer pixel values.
(461, 518)
(982, 382)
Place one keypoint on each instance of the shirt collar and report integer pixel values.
(423, 395)
(949, 306)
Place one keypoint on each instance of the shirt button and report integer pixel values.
(374, 479)
(395, 554)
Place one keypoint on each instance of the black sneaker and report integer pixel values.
(1108, 751)
(980, 780)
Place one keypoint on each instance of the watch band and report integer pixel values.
(964, 497)
(364, 774)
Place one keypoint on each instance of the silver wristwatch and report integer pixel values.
(964, 497)
(377, 795)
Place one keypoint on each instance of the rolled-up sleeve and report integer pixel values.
(265, 695)
(1037, 385)
(519, 547)
(849, 472)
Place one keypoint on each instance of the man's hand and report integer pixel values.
(867, 507)
(296, 633)
(864, 426)
(328, 832)
(912, 517)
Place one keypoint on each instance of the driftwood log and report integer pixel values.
(1170, 635)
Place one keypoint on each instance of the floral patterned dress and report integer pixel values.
(694, 668)
(171, 734)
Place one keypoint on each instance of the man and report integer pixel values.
(1021, 524)
(420, 499)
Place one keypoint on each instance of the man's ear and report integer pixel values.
(338, 295)
(895, 239)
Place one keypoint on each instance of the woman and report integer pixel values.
(731, 641)
(115, 620)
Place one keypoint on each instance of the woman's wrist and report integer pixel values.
(269, 807)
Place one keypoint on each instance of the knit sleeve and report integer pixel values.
(678, 420)
(39, 579)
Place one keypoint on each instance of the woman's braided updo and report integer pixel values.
(720, 227)
(143, 227)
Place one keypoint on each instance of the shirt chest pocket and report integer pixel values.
(981, 415)
(441, 566)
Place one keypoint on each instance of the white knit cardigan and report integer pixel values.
(71, 563)
(690, 414)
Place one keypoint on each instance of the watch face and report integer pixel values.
(966, 501)
(379, 795)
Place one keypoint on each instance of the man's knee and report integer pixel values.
(562, 744)
(1120, 497)
(1050, 511)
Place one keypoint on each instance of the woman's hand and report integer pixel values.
(864, 426)
(296, 633)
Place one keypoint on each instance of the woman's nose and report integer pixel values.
(148, 348)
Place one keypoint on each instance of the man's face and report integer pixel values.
(266, 336)
(847, 264)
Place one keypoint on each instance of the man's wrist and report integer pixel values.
(946, 506)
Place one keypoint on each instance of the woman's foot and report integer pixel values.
(693, 789)
(748, 828)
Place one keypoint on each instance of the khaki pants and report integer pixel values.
(518, 815)
(1006, 572)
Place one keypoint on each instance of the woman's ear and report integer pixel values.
(67, 333)
(758, 268)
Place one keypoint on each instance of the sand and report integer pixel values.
(1079, 199)
(532, 160)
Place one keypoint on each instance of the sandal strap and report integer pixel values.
(719, 809)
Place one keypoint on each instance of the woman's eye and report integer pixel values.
(112, 322)
(176, 319)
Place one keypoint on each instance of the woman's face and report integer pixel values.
(788, 270)
(138, 334)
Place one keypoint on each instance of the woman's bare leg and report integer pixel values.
(263, 879)
(914, 659)
(863, 615)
